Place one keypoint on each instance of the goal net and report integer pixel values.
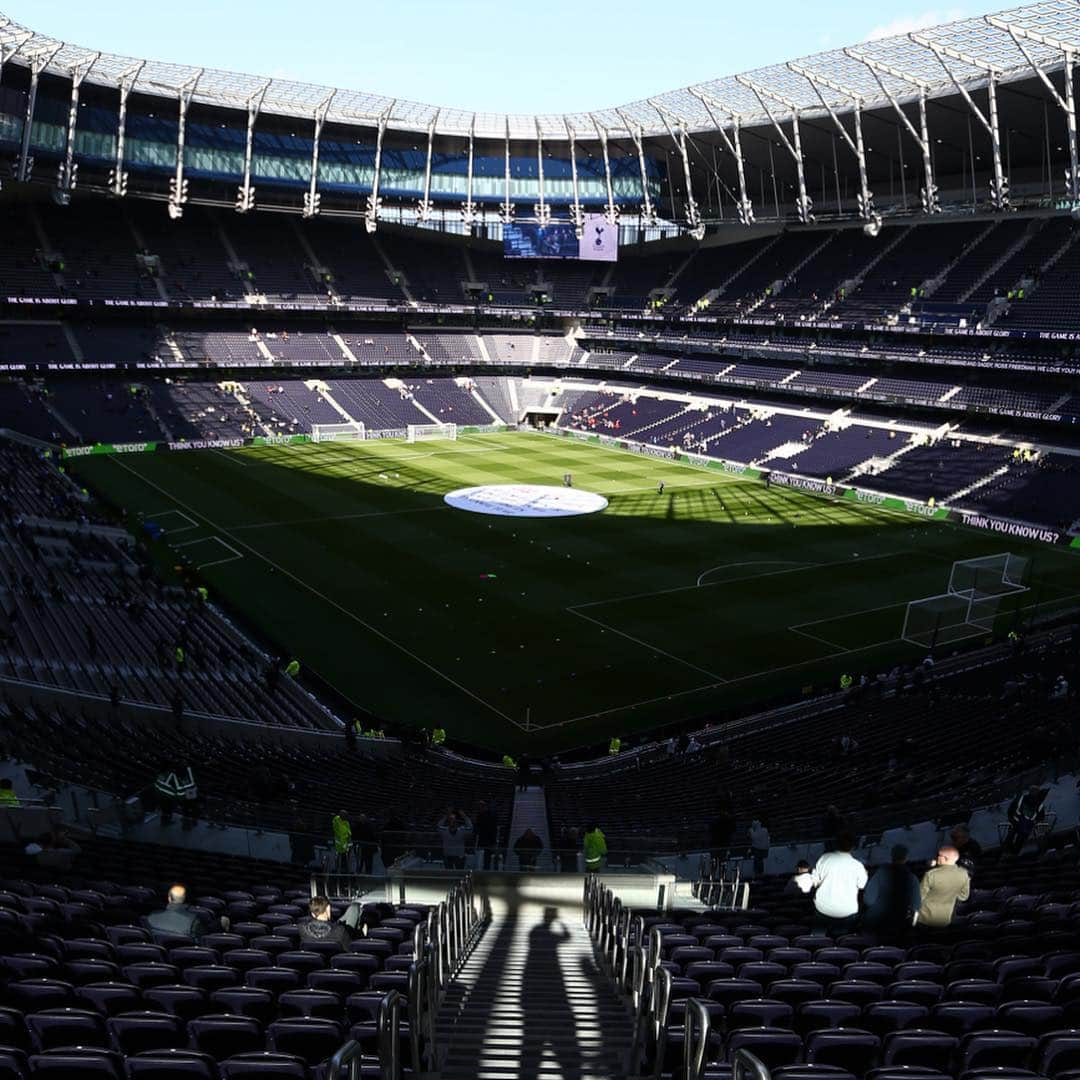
(979, 592)
(419, 432)
(353, 432)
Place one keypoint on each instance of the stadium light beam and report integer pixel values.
(999, 186)
(648, 211)
(506, 211)
(374, 203)
(245, 197)
(576, 215)
(734, 145)
(794, 148)
(178, 186)
(312, 197)
(1067, 104)
(68, 170)
(856, 145)
(931, 202)
(424, 207)
(611, 211)
(543, 211)
(468, 207)
(695, 226)
(38, 63)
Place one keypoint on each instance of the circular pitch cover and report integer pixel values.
(525, 500)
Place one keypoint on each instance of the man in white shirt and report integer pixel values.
(838, 878)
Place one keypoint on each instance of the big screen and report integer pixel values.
(599, 241)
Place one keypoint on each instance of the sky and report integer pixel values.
(496, 55)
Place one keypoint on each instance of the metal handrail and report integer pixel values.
(388, 1028)
(744, 1062)
(696, 1032)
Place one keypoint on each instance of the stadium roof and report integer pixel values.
(933, 61)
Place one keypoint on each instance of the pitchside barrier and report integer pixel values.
(978, 589)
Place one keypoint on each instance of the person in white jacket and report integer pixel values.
(839, 878)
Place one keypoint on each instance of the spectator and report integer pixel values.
(342, 841)
(594, 845)
(527, 847)
(7, 793)
(568, 849)
(366, 844)
(802, 883)
(487, 833)
(318, 925)
(524, 774)
(454, 828)
(942, 886)
(838, 877)
(891, 898)
(760, 842)
(177, 917)
(1025, 812)
(970, 849)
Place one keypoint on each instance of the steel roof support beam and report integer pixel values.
(576, 214)
(678, 136)
(38, 63)
(374, 203)
(999, 186)
(543, 211)
(312, 197)
(857, 146)
(245, 197)
(178, 185)
(118, 181)
(648, 211)
(424, 208)
(931, 203)
(22, 37)
(468, 207)
(734, 145)
(506, 211)
(611, 211)
(1066, 104)
(68, 171)
(805, 204)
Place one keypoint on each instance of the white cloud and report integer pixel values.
(909, 24)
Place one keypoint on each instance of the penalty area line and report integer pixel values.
(322, 596)
(646, 645)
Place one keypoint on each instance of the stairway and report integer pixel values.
(530, 812)
(531, 1002)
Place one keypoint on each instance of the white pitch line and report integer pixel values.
(339, 517)
(752, 562)
(178, 513)
(645, 644)
(322, 596)
(211, 540)
(731, 581)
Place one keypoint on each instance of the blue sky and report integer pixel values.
(502, 55)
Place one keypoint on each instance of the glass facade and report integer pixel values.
(215, 151)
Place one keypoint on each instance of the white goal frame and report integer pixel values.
(420, 432)
(972, 604)
(353, 432)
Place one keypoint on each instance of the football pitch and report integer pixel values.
(542, 634)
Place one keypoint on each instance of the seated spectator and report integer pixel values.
(942, 886)
(803, 881)
(970, 849)
(838, 877)
(527, 847)
(7, 793)
(318, 925)
(177, 917)
(892, 898)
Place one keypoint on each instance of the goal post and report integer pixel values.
(979, 591)
(420, 432)
(354, 432)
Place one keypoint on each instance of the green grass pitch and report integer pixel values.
(543, 634)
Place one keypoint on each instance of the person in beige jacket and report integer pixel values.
(942, 886)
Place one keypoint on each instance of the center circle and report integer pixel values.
(525, 500)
